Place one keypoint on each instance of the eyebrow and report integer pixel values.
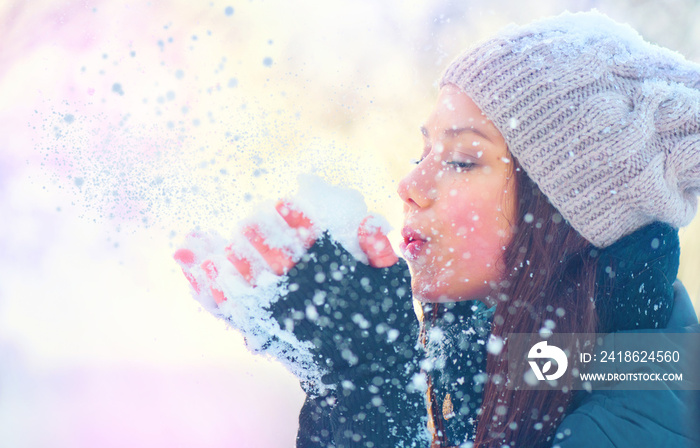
(457, 131)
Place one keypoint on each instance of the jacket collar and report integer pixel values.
(635, 279)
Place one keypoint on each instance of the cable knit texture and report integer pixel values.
(606, 124)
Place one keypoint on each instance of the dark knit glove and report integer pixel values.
(345, 329)
(364, 332)
(359, 319)
(336, 311)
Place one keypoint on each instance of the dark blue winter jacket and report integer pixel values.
(375, 365)
(640, 418)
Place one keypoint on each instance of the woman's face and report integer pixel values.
(459, 203)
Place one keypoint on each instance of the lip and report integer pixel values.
(412, 244)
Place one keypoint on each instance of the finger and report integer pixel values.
(375, 244)
(278, 259)
(297, 220)
(212, 273)
(185, 258)
(241, 264)
(292, 215)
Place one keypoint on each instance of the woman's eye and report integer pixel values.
(417, 161)
(461, 166)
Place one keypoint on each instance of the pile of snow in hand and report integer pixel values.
(335, 209)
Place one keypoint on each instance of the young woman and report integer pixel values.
(559, 161)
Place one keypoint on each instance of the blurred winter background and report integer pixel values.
(123, 125)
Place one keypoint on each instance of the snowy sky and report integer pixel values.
(126, 124)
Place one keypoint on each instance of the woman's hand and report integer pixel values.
(299, 234)
(328, 298)
(298, 294)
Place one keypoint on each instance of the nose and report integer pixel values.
(417, 188)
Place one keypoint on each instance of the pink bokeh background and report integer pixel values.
(126, 124)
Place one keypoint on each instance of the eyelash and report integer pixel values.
(461, 166)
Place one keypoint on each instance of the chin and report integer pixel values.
(432, 292)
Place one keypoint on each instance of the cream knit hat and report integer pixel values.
(606, 124)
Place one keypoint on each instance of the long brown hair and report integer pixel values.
(550, 274)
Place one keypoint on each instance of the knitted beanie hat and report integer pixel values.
(606, 124)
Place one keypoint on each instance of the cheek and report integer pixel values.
(477, 224)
